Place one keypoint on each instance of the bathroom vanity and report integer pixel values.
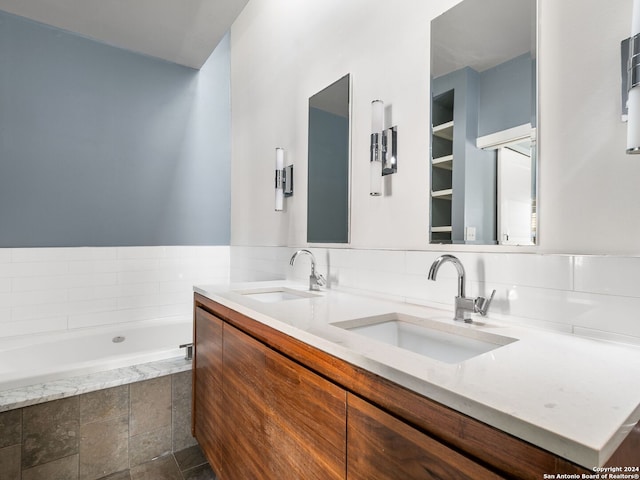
(294, 384)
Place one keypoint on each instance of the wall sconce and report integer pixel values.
(384, 158)
(284, 179)
(630, 63)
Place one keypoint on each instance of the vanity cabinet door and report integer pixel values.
(246, 453)
(207, 386)
(282, 421)
(382, 447)
(305, 422)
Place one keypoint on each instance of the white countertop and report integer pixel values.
(573, 396)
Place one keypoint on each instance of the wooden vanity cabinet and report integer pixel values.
(269, 406)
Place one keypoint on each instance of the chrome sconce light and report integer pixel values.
(284, 179)
(630, 66)
(384, 157)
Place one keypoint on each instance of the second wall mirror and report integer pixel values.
(328, 177)
(484, 120)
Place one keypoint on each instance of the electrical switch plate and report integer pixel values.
(470, 233)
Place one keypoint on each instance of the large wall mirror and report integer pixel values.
(328, 178)
(484, 118)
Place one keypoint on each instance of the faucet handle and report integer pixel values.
(321, 280)
(481, 304)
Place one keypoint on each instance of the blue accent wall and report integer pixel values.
(104, 147)
(507, 95)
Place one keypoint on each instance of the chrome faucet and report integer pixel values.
(462, 304)
(316, 280)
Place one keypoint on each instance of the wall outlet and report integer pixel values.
(470, 233)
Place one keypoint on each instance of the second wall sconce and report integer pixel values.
(284, 179)
(384, 157)
(630, 50)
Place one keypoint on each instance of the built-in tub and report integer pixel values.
(29, 362)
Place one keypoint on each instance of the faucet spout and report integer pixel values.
(316, 280)
(435, 266)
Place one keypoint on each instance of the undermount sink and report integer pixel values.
(276, 294)
(441, 341)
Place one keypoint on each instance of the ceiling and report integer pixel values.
(482, 34)
(181, 31)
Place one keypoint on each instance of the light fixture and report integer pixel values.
(383, 159)
(631, 81)
(284, 179)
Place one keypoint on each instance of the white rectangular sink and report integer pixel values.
(276, 294)
(441, 341)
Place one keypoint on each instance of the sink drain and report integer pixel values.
(117, 339)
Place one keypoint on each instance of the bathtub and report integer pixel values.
(45, 358)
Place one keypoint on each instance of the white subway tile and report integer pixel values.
(19, 299)
(183, 296)
(128, 253)
(138, 301)
(607, 275)
(113, 317)
(134, 277)
(392, 261)
(5, 315)
(41, 325)
(184, 310)
(31, 312)
(93, 266)
(91, 306)
(5, 256)
(5, 284)
(20, 255)
(543, 271)
(26, 284)
(5, 300)
(38, 269)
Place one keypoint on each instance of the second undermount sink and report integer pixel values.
(276, 294)
(441, 341)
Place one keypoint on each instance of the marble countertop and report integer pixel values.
(574, 396)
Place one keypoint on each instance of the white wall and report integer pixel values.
(283, 51)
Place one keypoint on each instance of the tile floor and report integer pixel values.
(187, 464)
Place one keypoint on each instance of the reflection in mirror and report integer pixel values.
(328, 178)
(483, 112)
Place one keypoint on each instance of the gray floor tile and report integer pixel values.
(62, 469)
(164, 468)
(203, 472)
(190, 457)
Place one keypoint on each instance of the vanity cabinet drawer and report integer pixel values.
(385, 448)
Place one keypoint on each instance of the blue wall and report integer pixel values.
(507, 95)
(103, 147)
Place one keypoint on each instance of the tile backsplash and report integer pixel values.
(55, 289)
(596, 296)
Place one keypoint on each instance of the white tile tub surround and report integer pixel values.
(597, 296)
(56, 289)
